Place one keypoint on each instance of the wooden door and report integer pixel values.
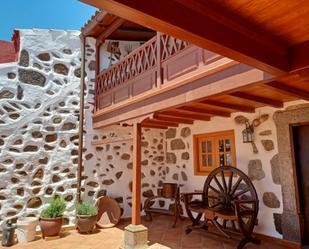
(301, 150)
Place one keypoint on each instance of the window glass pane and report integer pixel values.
(227, 145)
(204, 163)
(209, 161)
(209, 146)
(203, 147)
(228, 159)
(221, 145)
(221, 157)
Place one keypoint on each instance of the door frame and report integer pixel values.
(291, 220)
(296, 178)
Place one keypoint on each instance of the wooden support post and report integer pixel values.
(97, 55)
(81, 120)
(135, 234)
(136, 187)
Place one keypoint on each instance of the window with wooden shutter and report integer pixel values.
(213, 150)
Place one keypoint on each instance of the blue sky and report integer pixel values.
(46, 14)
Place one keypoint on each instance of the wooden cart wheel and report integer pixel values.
(228, 188)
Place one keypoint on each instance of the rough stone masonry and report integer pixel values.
(39, 108)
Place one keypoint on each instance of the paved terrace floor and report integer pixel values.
(161, 236)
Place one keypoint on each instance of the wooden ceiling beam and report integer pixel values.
(288, 90)
(173, 119)
(160, 122)
(257, 99)
(198, 23)
(184, 114)
(110, 29)
(235, 107)
(154, 126)
(299, 56)
(205, 111)
(132, 35)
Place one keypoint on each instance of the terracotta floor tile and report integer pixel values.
(161, 236)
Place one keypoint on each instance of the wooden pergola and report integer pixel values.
(269, 36)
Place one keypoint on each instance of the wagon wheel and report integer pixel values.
(228, 188)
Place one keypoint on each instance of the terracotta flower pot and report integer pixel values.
(86, 223)
(50, 226)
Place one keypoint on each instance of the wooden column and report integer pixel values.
(81, 119)
(136, 187)
(97, 55)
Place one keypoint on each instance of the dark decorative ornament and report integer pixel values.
(247, 133)
(8, 233)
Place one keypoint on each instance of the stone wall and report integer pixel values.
(39, 108)
(108, 167)
(262, 167)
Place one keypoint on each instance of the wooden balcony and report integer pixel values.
(161, 64)
(167, 81)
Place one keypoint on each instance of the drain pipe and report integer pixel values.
(81, 119)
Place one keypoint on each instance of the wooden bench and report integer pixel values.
(229, 201)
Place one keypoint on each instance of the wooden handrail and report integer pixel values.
(148, 56)
(135, 51)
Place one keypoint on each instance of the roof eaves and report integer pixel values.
(94, 20)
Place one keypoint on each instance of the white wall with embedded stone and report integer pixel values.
(39, 108)
(112, 51)
(108, 167)
(262, 167)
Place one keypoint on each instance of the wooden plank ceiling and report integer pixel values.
(271, 35)
(246, 99)
(103, 25)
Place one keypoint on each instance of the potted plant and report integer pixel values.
(51, 218)
(86, 217)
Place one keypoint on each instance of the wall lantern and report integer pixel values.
(247, 134)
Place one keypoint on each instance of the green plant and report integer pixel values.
(55, 209)
(85, 208)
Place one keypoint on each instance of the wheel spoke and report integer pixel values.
(219, 184)
(214, 189)
(230, 181)
(224, 223)
(224, 182)
(233, 208)
(233, 225)
(217, 204)
(241, 192)
(236, 186)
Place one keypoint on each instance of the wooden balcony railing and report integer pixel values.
(170, 46)
(152, 66)
(136, 63)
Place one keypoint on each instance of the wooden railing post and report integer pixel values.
(159, 70)
(97, 72)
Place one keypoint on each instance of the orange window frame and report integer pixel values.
(207, 151)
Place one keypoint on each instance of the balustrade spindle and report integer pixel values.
(148, 56)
